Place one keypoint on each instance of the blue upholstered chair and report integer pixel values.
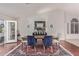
(47, 41)
(31, 41)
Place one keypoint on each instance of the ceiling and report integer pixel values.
(30, 9)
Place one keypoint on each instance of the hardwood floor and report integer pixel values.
(6, 48)
(70, 47)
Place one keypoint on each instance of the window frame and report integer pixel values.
(74, 25)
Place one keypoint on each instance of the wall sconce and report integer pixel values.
(51, 26)
(28, 26)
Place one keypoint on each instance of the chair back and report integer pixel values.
(31, 40)
(47, 41)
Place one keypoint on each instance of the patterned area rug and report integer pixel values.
(58, 51)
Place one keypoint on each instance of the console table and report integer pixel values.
(39, 36)
(39, 39)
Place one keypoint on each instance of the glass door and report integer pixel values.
(11, 31)
(1, 32)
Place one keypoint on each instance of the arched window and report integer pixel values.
(74, 26)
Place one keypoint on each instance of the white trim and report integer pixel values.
(13, 49)
(66, 50)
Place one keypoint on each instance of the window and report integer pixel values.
(74, 26)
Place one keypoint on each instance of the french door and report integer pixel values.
(71, 32)
(1, 32)
(11, 32)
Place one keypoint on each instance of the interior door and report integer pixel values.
(11, 31)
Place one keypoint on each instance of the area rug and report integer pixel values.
(58, 51)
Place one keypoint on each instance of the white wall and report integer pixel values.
(56, 18)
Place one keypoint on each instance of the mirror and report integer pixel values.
(40, 25)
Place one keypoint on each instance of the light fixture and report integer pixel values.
(28, 26)
(51, 26)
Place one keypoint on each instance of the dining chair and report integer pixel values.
(31, 42)
(47, 41)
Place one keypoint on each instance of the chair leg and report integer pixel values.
(22, 46)
(44, 49)
(28, 48)
(35, 49)
(51, 49)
